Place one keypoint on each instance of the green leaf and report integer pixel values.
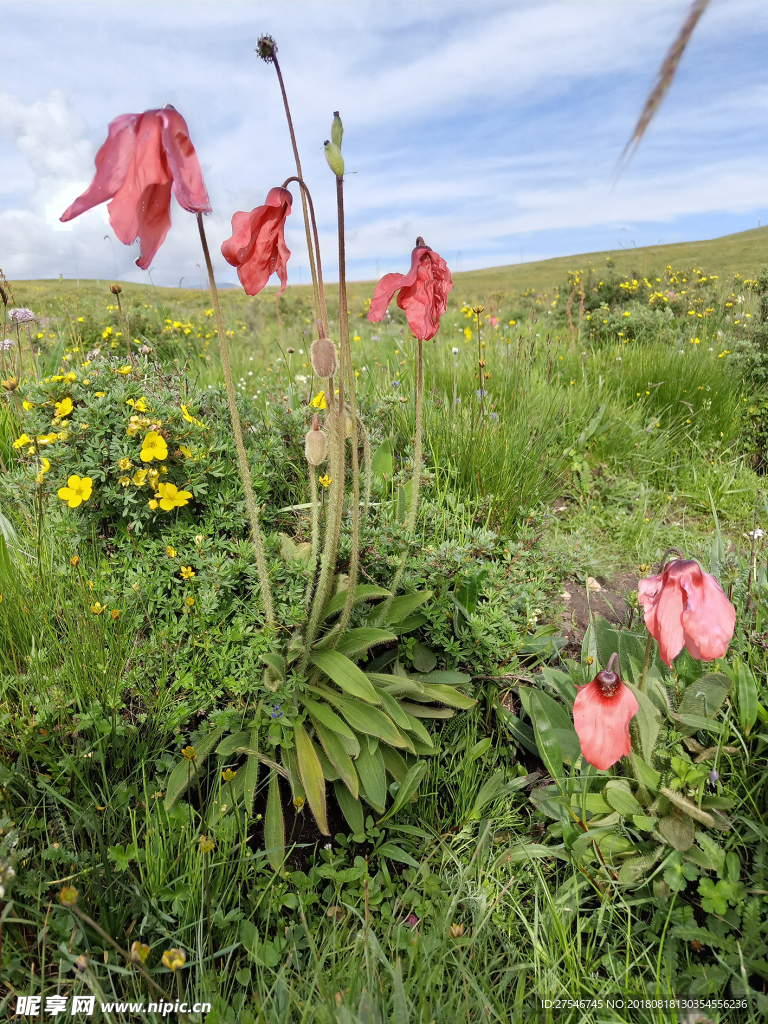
(407, 788)
(394, 763)
(695, 723)
(488, 792)
(311, 774)
(399, 1004)
(392, 708)
(424, 660)
(402, 606)
(231, 743)
(410, 623)
(345, 674)
(747, 696)
(274, 825)
(478, 749)
(329, 772)
(648, 723)
(393, 852)
(445, 677)
(276, 663)
(381, 463)
(689, 808)
(338, 756)
(355, 641)
(251, 773)
(648, 776)
(562, 723)
(351, 809)
(449, 695)
(370, 768)
(702, 699)
(560, 683)
(184, 772)
(607, 640)
(622, 800)
(425, 710)
(363, 592)
(546, 740)
(371, 721)
(322, 713)
(522, 732)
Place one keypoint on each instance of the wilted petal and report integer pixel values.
(257, 244)
(602, 723)
(188, 185)
(112, 162)
(423, 293)
(709, 618)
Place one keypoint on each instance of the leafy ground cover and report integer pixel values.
(153, 798)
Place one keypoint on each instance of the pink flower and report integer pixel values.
(601, 715)
(145, 158)
(493, 321)
(423, 292)
(257, 246)
(686, 607)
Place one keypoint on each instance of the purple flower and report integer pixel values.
(714, 775)
(412, 920)
(276, 712)
(395, 383)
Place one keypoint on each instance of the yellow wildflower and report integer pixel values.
(125, 370)
(228, 775)
(125, 464)
(189, 753)
(139, 952)
(185, 451)
(47, 438)
(318, 402)
(63, 408)
(77, 491)
(71, 376)
(190, 601)
(75, 561)
(124, 481)
(170, 551)
(171, 497)
(173, 959)
(114, 614)
(139, 477)
(21, 441)
(45, 465)
(154, 447)
(28, 406)
(325, 480)
(97, 608)
(152, 504)
(187, 572)
(190, 418)
(99, 394)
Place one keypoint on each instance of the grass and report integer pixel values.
(590, 453)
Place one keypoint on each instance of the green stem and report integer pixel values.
(646, 663)
(307, 198)
(242, 457)
(315, 533)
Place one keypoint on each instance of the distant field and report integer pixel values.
(742, 253)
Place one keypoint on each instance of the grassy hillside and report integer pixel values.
(742, 253)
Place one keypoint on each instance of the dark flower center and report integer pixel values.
(608, 682)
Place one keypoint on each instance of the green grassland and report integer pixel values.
(583, 421)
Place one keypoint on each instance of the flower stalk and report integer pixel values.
(245, 472)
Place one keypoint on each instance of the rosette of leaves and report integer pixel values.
(348, 723)
(659, 807)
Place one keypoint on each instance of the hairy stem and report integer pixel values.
(245, 472)
(315, 533)
(322, 315)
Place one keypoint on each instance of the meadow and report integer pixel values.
(157, 840)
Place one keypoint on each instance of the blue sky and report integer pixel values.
(491, 128)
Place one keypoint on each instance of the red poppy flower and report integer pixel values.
(257, 246)
(423, 292)
(601, 715)
(686, 607)
(145, 158)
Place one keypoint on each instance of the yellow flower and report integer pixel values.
(190, 601)
(154, 447)
(45, 465)
(171, 497)
(228, 775)
(189, 753)
(153, 476)
(68, 894)
(318, 402)
(114, 614)
(139, 952)
(71, 376)
(187, 572)
(124, 481)
(141, 405)
(80, 319)
(152, 504)
(97, 608)
(21, 441)
(63, 408)
(190, 418)
(125, 464)
(325, 480)
(47, 438)
(185, 451)
(28, 406)
(173, 959)
(74, 561)
(206, 844)
(171, 552)
(139, 477)
(77, 491)
(99, 394)
(125, 370)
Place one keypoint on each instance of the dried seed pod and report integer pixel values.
(323, 356)
(315, 443)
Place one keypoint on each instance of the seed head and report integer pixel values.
(323, 356)
(266, 47)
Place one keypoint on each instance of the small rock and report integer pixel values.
(592, 583)
(565, 595)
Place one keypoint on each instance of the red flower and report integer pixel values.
(257, 246)
(686, 607)
(601, 715)
(145, 157)
(423, 292)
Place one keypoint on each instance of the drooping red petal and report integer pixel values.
(112, 162)
(708, 618)
(662, 602)
(188, 185)
(257, 244)
(154, 214)
(602, 723)
(423, 293)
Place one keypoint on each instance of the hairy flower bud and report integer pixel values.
(315, 443)
(337, 129)
(266, 48)
(334, 158)
(323, 356)
(115, 289)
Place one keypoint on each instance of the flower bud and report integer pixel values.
(337, 129)
(115, 289)
(315, 447)
(266, 48)
(334, 158)
(323, 356)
